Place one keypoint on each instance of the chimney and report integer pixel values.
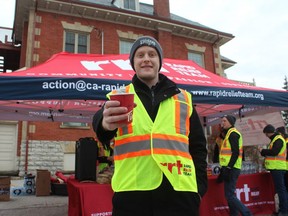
(161, 8)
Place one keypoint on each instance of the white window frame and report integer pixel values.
(78, 125)
(76, 28)
(76, 41)
(121, 4)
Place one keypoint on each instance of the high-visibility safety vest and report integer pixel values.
(103, 152)
(286, 140)
(226, 152)
(219, 141)
(144, 149)
(277, 162)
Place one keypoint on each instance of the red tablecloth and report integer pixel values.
(89, 199)
(255, 190)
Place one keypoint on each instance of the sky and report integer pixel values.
(260, 27)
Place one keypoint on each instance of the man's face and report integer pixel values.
(146, 64)
(269, 135)
(225, 123)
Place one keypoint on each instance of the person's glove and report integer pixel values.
(227, 173)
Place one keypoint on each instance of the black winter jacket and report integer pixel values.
(151, 99)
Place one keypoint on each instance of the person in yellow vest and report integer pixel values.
(231, 161)
(160, 158)
(218, 143)
(282, 132)
(105, 156)
(275, 162)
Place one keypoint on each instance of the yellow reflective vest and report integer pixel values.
(226, 152)
(102, 151)
(277, 162)
(145, 150)
(286, 140)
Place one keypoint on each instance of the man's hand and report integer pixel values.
(227, 173)
(220, 176)
(112, 114)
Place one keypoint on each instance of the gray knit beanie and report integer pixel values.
(146, 41)
(231, 119)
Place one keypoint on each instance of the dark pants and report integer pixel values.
(163, 201)
(286, 180)
(235, 205)
(278, 177)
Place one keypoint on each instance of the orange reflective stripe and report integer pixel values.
(279, 157)
(172, 152)
(132, 154)
(177, 114)
(182, 109)
(128, 129)
(170, 137)
(133, 139)
(188, 111)
(120, 131)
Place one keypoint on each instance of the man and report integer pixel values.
(275, 162)
(160, 159)
(282, 132)
(231, 162)
(105, 156)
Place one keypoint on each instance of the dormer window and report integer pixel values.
(127, 4)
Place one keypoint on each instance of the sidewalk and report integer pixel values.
(33, 205)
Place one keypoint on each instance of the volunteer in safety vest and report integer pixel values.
(230, 160)
(159, 158)
(218, 143)
(282, 132)
(275, 162)
(105, 156)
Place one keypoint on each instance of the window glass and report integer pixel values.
(197, 57)
(70, 42)
(130, 4)
(76, 42)
(82, 43)
(125, 46)
(74, 125)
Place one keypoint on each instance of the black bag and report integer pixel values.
(86, 153)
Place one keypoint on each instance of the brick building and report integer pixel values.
(46, 27)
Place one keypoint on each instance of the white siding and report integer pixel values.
(8, 146)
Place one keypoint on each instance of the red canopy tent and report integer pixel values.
(71, 87)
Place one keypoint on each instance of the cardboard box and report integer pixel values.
(43, 183)
(5, 183)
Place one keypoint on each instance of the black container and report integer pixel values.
(86, 159)
(59, 189)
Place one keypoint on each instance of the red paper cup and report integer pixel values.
(126, 100)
